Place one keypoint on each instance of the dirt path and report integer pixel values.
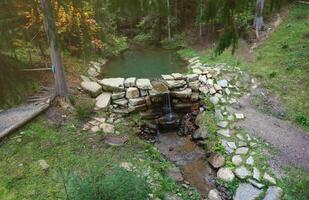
(291, 141)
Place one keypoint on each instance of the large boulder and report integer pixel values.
(91, 87)
(246, 191)
(137, 101)
(130, 82)
(144, 84)
(113, 84)
(216, 160)
(103, 101)
(175, 84)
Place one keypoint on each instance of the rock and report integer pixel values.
(224, 132)
(223, 124)
(182, 94)
(242, 172)
(227, 91)
(167, 77)
(239, 116)
(93, 88)
(216, 160)
(214, 100)
(194, 59)
(144, 84)
(246, 191)
(210, 82)
(197, 71)
(172, 197)
(212, 91)
(204, 90)
(137, 101)
(242, 144)
(92, 72)
(130, 82)
(192, 77)
(85, 78)
(116, 140)
(113, 84)
(217, 87)
(225, 174)
(144, 93)
(218, 115)
(227, 148)
(242, 150)
(178, 76)
(175, 84)
(121, 102)
(214, 195)
(256, 173)
(273, 193)
(127, 166)
(250, 161)
(43, 164)
(132, 93)
(236, 160)
(118, 95)
(95, 129)
(256, 184)
(107, 128)
(175, 174)
(200, 134)
(96, 65)
(269, 179)
(203, 79)
(222, 83)
(103, 101)
(232, 145)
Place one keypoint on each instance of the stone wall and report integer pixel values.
(126, 95)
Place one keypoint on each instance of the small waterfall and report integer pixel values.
(170, 116)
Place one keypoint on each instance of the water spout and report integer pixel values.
(170, 116)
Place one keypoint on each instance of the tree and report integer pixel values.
(61, 89)
(168, 19)
(258, 21)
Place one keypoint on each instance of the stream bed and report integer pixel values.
(190, 158)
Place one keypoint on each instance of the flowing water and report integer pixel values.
(144, 63)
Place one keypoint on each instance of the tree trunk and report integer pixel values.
(201, 15)
(258, 21)
(61, 89)
(168, 19)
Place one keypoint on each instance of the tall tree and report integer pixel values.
(168, 19)
(258, 21)
(61, 89)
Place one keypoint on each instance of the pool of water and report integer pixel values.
(144, 63)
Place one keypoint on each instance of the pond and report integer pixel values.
(144, 63)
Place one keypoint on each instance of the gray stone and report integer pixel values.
(192, 77)
(250, 161)
(217, 87)
(113, 84)
(85, 78)
(210, 82)
(116, 140)
(273, 193)
(212, 91)
(218, 115)
(121, 102)
(107, 128)
(182, 94)
(197, 70)
(167, 77)
(232, 145)
(175, 84)
(222, 83)
(92, 72)
(214, 195)
(178, 76)
(224, 132)
(270, 179)
(239, 116)
(43, 164)
(118, 95)
(237, 160)
(242, 150)
(242, 172)
(137, 101)
(225, 174)
(172, 197)
(203, 79)
(200, 134)
(256, 173)
(132, 93)
(256, 184)
(216, 160)
(227, 148)
(93, 88)
(223, 124)
(130, 82)
(175, 174)
(246, 192)
(204, 90)
(103, 101)
(144, 84)
(214, 100)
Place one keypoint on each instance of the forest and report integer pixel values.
(154, 99)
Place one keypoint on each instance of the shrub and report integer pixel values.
(84, 109)
(143, 38)
(176, 42)
(120, 185)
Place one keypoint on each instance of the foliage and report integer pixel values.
(178, 41)
(84, 108)
(143, 38)
(120, 184)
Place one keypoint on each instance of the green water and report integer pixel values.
(144, 63)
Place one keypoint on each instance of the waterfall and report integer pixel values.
(169, 112)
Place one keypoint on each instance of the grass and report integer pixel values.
(68, 150)
(281, 63)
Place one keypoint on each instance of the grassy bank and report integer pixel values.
(281, 63)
